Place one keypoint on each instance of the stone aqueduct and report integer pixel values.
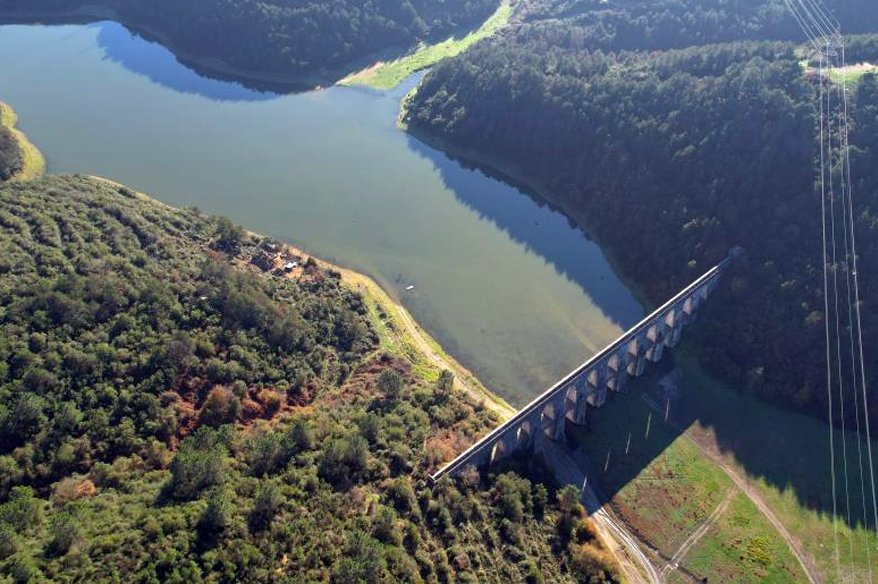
(587, 386)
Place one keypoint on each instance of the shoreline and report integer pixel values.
(398, 330)
(215, 67)
(33, 161)
(211, 67)
(532, 186)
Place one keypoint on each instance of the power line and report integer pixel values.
(826, 320)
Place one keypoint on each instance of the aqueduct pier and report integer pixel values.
(587, 386)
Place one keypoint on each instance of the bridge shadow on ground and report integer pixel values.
(786, 451)
(768, 447)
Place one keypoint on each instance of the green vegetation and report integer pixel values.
(19, 158)
(281, 40)
(665, 488)
(638, 147)
(173, 408)
(783, 454)
(730, 552)
(388, 75)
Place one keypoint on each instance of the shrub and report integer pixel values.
(222, 406)
(268, 503)
(390, 384)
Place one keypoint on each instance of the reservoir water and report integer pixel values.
(504, 283)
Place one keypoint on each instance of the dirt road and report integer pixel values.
(696, 535)
(794, 544)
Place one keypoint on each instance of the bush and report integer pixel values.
(222, 406)
(198, 464)
(390, 384)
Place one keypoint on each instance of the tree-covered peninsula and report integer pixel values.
(182, 401)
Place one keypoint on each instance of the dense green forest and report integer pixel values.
(10, 155)
(172, 409)
(287, 36)
(667, 24)
(669, 158)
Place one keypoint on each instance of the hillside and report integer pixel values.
(10, 156)
(281, 39)
(176, 406)
(671, 157)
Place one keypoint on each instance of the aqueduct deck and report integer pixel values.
(588, 384)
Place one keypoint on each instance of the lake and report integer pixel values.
(506, 284)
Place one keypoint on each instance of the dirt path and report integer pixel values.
(753, 494)
(698, 533)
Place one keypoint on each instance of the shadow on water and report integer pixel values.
(786, 450)
(138, 54)
(542, 229)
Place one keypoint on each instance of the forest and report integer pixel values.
(669, 158)
(670, 24)
(286, 37)
(174, 409)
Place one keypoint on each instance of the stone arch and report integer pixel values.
(523, 434)
(548, 419)
(498, 450)
(571, 397)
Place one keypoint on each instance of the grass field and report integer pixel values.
(786, 458)
(388, 75)
(852, 73)
(731, 553)
(666, 489)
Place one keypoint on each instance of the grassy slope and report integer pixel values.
(388, 75)
(34, 162)
(665, 488)
(786, 458)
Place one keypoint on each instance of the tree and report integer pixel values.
(228, 235)
(221, 406)
(268, 503)
(216, 518)
(66, 533)
(445, 383)
(390, 384)
(363, 561)
(198, 464)
(23, 511)
(384, 528)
